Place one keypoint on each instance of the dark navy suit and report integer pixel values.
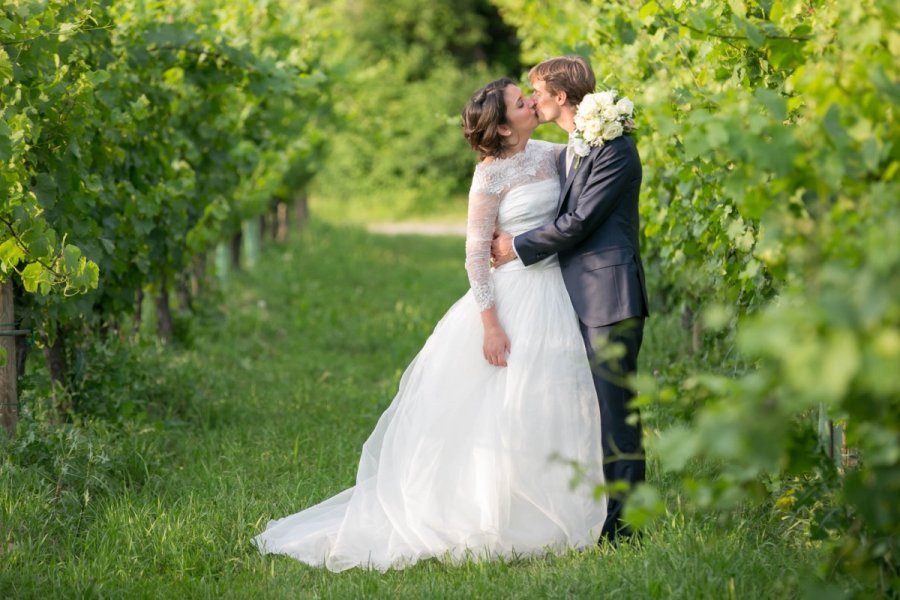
(596, 235)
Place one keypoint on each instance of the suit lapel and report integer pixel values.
(565, 185)
(564, 191)
(562, 181)
(561, 167)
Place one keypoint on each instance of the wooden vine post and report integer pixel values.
(301, 208)
(9, 403)
(280, 231)
(237, 240)
(164, 327)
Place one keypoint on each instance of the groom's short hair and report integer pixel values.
(570, 74)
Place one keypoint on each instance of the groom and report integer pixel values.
(595, 235)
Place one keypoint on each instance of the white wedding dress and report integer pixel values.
(471, 460)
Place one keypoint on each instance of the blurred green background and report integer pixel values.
(140, 139)
(403, 71)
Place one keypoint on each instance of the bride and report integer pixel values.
(473, 456)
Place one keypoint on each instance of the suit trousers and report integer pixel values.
(623, 450)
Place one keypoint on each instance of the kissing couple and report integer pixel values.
(473, 457)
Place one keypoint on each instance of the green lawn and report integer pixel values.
(268, 406)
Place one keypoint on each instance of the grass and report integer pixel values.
(277, 390)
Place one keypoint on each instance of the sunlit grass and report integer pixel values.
(285, 387)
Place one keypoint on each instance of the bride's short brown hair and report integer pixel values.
(483, 115)
(570, 74)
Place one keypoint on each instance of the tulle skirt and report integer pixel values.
(471, 460)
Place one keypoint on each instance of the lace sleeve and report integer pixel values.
(484, 203)
(557, 149)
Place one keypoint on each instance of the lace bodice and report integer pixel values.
(515, 194)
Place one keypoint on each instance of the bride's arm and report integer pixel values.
(483, 207)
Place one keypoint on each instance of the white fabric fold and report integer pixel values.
(471, 460)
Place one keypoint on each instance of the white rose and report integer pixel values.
(612, 130)
(606, 98)
(625, 107)
(585, 126)
(580, 147)
(610, 113)
(586, 120)
(581, 122)
(587, 105)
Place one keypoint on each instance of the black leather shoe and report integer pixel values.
(624, 535)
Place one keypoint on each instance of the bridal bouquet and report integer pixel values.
(601, 117)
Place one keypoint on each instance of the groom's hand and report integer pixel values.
(502, 248)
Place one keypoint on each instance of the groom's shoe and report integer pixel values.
(623, 534)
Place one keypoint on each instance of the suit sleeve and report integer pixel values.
(612, 168)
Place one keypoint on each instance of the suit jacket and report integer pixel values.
(595, 234)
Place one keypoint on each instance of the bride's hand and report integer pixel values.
(496, 346)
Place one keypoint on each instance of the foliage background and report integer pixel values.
(137, 135)
(408, 68)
